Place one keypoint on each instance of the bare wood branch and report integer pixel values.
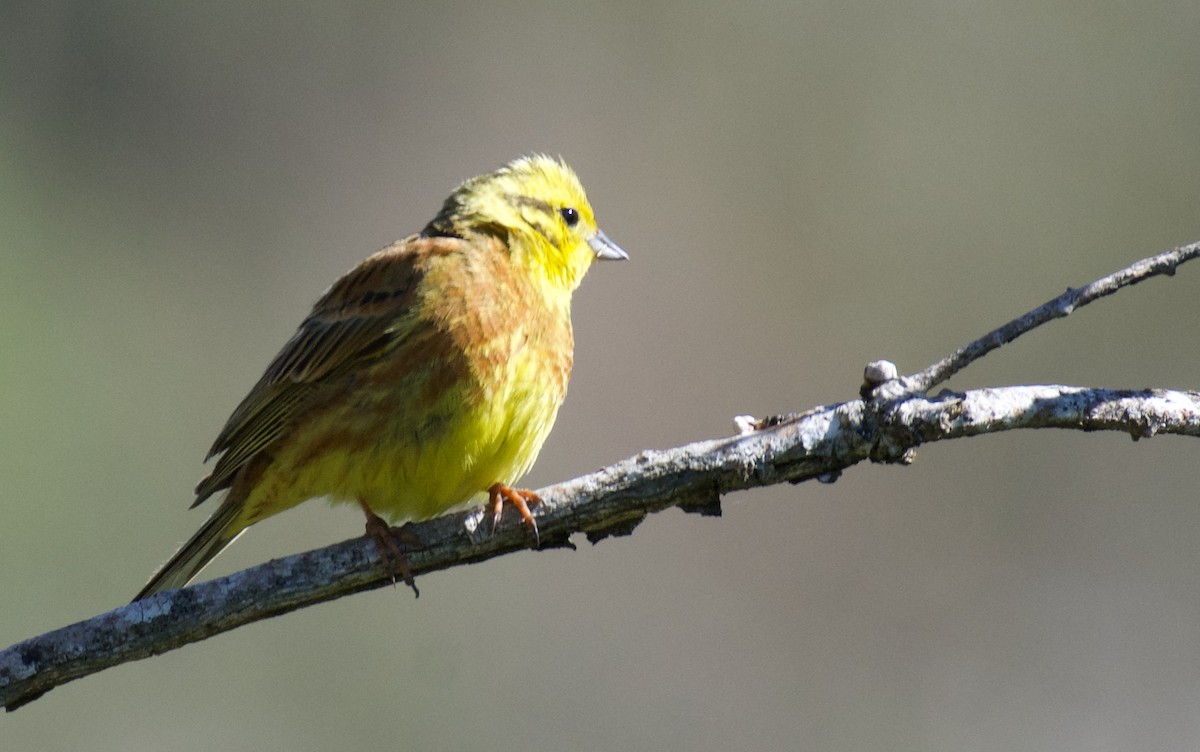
(1063, 305)
(819, 443)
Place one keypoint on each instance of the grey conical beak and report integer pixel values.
(605, 248)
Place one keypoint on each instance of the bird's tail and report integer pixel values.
(217, 533)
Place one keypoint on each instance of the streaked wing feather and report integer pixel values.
(351, 323)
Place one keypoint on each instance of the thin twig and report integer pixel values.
(1063, 305)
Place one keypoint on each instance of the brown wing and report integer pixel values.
(351, 323)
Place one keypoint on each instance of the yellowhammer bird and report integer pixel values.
(429, 374)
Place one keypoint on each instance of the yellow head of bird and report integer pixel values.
(538, 204)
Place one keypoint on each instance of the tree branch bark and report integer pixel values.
(892, 419)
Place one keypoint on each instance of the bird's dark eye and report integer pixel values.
(571, 216)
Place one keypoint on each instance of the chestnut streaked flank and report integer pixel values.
(427, 376)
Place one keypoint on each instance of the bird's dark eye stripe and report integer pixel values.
(531, 202)
(570, 215)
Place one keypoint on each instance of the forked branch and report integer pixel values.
(892, 419)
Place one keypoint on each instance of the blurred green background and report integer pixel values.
(802, 188)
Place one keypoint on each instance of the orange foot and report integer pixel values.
(391, 542)
(520, 498)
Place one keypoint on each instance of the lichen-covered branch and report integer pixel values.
(887, 425)
(817, 444)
